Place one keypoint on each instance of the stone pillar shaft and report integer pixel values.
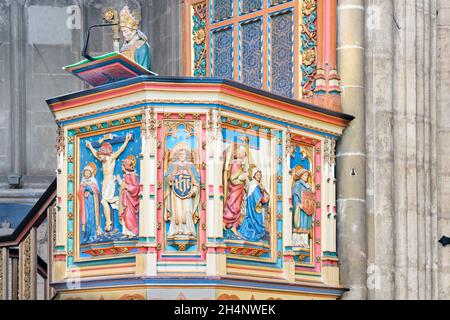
(18, 95)
(351, 211)
(380, 149)
(442, 225)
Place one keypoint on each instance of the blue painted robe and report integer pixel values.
(142, 56)
(252, 228)
(302, 222)
(89, 210)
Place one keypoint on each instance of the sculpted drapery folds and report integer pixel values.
(129, 198)
(257, 201)
(89, 204)
(108, 160)
(303, 207)
(135, 46)
(235, 179)
(246, 203)
(107, 195)
(181, 193)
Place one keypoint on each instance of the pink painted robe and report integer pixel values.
(129, 204)
(235, 197)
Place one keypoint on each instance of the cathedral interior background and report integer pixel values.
(224, 149)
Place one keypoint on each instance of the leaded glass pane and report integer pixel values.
(281, 56)
(222, 53)
(251, 53)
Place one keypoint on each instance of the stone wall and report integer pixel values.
(38, 38)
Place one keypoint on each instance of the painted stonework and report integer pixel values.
(362, 147)
(247, 181)
(305, 164)
(135, 45)
(269, 45)
(155, 190)
(105, 170)
(182, 183)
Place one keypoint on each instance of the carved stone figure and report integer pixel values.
(257, 202)
(129, 198)
(135, 46)
(303, 208)
(108, 159)
(89, 205)
(181, 194)
(235, 182)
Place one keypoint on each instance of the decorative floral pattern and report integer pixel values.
(199, 39)
(222, 10)
(251, 59)
(222, 48)
(281, 60)
(308, 47)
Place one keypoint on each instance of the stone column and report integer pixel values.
(430, 106)
(380, 148)
(18, 92)
(432, 225)
(400, 96)
(403, 149)
(351, 211)
(443, 136)
(414, 136)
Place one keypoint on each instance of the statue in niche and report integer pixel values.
(108, 159)
(303, 204)
(235, 182)
(89, 204)
(181, 193)
(253, 226)
(129, 198)
(135, 46)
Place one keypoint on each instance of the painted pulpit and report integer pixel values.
(195, 188)
(190, 188)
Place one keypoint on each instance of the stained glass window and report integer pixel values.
(247, 6)
(222, 53)
(266, 44)
(281, 53)
(251, 55)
